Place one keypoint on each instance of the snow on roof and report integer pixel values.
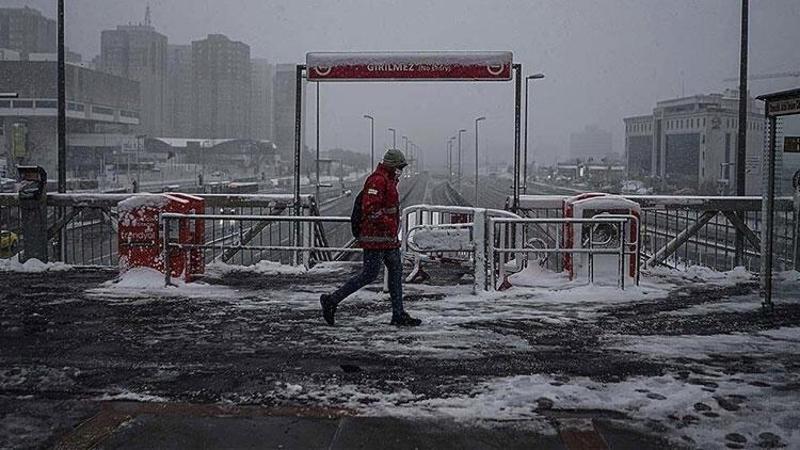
(184, 142)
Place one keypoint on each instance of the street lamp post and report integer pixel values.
(450, 159)
(459, 158)
(394, 137)
(372, 139)
(536, 76)
(476, 159)
(405, 147)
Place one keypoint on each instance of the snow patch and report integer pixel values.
(130, 396)
(264, 267)
(31, 266)
(141, 201)
(148, 283)
(704, 275)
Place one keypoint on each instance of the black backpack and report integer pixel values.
(355, 216)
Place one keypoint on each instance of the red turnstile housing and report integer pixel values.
(590, 205)
(141, 238)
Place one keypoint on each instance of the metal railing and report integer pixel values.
(302, 244)
(529, 230)
(683, 231)
(83, 227)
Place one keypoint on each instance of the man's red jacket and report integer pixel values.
(380, 206)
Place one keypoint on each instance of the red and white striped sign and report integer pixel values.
(407, 66)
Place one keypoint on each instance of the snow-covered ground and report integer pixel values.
(31, 266)
(686, 355)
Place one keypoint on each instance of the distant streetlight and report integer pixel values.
(476, 159)
(450, 160)
(372, 139)
(459, 158)
(536, 76)
(394, 137)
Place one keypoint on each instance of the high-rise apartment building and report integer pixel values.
(261, 99)
(139, 52)
(26, 30)
(180, 91)
(222, 85)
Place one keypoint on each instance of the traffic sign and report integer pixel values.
(409, 66)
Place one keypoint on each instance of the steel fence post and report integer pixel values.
(308, 241)
(492, 262)
(165, 251)
(796, 231)
(479, 242)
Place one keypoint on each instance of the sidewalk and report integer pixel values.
(124, 425)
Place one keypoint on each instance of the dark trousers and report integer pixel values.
(372, 266)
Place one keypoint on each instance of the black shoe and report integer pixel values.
(405, 321)
(328, 308)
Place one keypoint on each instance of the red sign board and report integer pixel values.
(407, 66)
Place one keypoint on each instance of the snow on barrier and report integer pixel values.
(457, 232)
(141, 237)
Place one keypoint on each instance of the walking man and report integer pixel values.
(378, 230)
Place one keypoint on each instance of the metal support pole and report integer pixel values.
(796, 215)
(316, 191)
(525, 144)
(298, 148)
(741, 144)
(769, 210)
(62, 128)
(479, 241)
(165, 251)
(62, 103)
(517, 108)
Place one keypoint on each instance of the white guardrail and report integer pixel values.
(487, 238)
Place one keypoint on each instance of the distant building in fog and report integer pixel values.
(284, 90)
(180, 91)
(101, 109)
(690, 142)
(26, 30)
(222, 76)
(592, 142)
(261, 99)
(139, 52)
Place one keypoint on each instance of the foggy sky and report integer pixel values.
(604, 59)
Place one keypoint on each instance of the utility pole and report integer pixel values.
(62, 103)
(741, 142)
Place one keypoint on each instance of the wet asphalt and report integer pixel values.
(62, 350)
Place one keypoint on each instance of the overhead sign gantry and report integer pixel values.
(462, 66)
(406, 66)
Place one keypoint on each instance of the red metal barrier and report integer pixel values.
(141, 238)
